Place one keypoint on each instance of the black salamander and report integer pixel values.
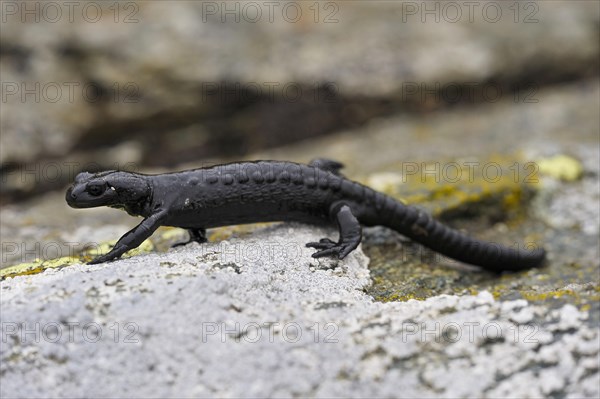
(265, 191)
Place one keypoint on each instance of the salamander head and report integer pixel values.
(111, 188)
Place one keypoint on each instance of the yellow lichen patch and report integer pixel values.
(445, 186)
(586, 307)
(39, 265)
(513, 198)
(561, 167)
(499, 290)
(579, 298)
(542, 296)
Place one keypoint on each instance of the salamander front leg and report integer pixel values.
(350, 235)
(132, 239)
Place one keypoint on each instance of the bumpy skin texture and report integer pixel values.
(264, 191)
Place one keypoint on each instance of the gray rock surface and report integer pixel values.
(257, 316)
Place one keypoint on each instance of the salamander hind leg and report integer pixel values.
(196, 235)
(350, 235)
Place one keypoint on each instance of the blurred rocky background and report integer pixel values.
(406, 94)
(156, 84)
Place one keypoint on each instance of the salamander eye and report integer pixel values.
(95, 189)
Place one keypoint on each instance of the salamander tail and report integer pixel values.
(424, 229)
